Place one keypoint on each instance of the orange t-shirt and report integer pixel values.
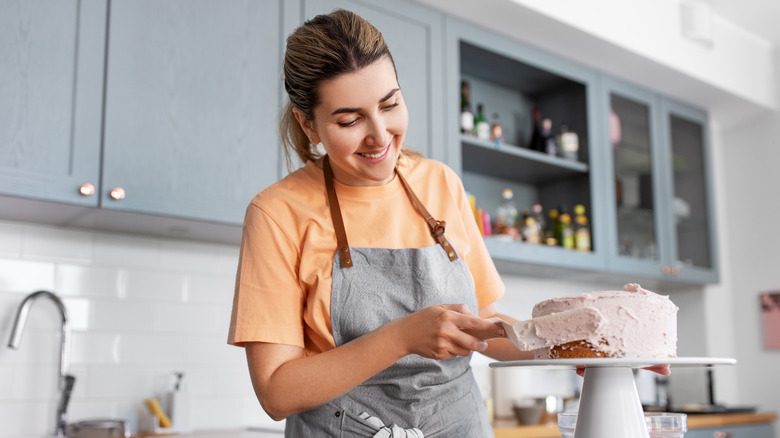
(283, 284)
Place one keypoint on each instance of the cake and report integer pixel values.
(636, 323)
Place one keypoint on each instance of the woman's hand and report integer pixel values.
(445, 331)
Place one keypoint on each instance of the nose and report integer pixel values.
(378, 134)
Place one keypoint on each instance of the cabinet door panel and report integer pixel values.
(50, 97)
(412, 33)
(191, 106)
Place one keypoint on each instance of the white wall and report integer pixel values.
(141, 308)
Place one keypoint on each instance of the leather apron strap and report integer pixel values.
(437, 227)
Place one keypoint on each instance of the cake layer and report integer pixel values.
(637, 323)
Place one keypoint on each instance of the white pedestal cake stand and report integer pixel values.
(609, 403)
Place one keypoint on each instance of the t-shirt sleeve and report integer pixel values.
(268, 301)
(487, 281)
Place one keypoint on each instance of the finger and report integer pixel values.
(580, 370)
(663, 370)
(459, 308)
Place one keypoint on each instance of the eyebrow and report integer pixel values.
(344, 110)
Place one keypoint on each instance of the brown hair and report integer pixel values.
(320, 49)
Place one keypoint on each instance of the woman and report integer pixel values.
(358, 310)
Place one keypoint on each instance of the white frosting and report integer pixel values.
(637, 322)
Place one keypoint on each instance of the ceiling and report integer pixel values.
(758, 17)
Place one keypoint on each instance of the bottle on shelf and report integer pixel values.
(530, 230)
(568, 143)
(496, 132)
(550, 148)
(481, 124)
(541, 227)
(506, 216)
(466, 116)
(581, 230)
(550, 232)
(564, 233)
(537, 142)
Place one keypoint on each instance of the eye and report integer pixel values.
(389, 107)
(348, 124)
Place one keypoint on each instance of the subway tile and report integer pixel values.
(214, 413)
(90, 281)
(253, 415)
(37, 419)
(214, 349)
(233, 380)
(10, 239)
(183, 256)
(7, 377)
(126, 251)
(153, 349)
(90, 348)
(189, 318)
(22, 276)
(79, 312)
(117, 382)
(155, 285)
(36, 382)
(54, 243)
(40, 341)
(198, 381)
(122, 316)
(211, 288)
(227, 261)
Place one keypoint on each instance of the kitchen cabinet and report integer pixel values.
(414, 36)
(167, 110)
(51, 83)
(511, 80)
(744, 431)
(661, 213)
(192, 97)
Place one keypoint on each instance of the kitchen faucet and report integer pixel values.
(65, 381)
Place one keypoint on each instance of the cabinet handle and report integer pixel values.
(722, 435)
(117, 193)
(666, 270)
(87, 189)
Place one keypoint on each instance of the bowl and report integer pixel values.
(528, 411)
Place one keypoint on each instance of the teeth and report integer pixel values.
(372, 155)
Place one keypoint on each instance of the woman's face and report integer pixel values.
(361, 121)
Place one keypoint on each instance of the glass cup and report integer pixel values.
(659, 424)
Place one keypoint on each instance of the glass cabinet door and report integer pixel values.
(632, 138)
(691, 209)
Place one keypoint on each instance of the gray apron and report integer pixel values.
(416, 396)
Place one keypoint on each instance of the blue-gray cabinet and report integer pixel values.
(510, 80)
(744, 431)
(51, 83)
(661, 209)
(192, 97)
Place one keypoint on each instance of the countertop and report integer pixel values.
(510, 429)
(502, 428)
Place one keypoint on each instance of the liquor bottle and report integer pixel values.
(537, 142)
(549, 140)
(564, 233)
(581, 230)
(550, 234)
(530, 230)
(481, 124)
(506, 215)
(466, 116)
(540, 222)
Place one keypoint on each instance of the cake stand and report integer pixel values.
(609, 403)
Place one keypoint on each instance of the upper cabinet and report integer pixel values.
(192, 98)
(51, 83)
(508, 82)
(661, 207)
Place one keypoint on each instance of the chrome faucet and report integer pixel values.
(65, 381)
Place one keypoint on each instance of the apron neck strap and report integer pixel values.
(437, 227)
(335, 214)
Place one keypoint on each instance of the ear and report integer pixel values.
(307, 126)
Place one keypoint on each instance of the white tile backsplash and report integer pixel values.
(140, 308)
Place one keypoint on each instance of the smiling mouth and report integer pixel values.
(379, 154)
